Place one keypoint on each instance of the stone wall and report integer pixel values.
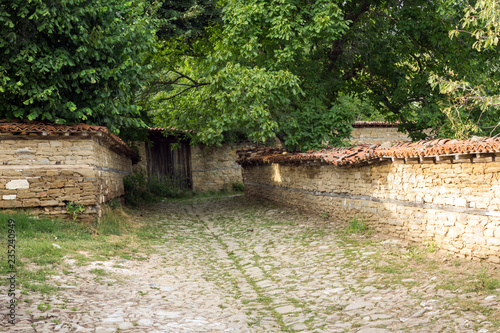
(42, 173)
(376, 134)
(455, 205)
(214, 168)
(110, 168)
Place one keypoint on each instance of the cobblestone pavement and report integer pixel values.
(230, 265)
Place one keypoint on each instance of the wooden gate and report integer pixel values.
(169, 158)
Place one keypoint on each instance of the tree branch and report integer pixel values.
(184, 90)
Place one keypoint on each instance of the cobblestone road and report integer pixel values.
(230, 265)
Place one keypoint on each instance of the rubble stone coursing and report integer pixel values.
(376, 134)
(454, 205)
(41, 174)
(214, 168)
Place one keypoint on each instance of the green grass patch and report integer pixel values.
(481, 282)
(357, 225)
(42, 244)
(98, 271)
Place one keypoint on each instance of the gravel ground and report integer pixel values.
(229, 264)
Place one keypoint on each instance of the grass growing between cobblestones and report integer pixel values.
(43, 245)
(273, 269)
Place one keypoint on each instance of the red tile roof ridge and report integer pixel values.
(38, 126)
(376, 123)
(171, 129)
(364, 153)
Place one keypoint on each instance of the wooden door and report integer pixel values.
(166, 158)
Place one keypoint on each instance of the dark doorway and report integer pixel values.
(167, 157)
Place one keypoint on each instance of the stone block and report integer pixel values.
(23, 194)
(9, 204)
(454, 232)
(55, 185)
(461, 202)
(49, 203)
(17, 184)
(31, 203)
(489, 232)
(493, 241)
(55, 192)
(69, 191)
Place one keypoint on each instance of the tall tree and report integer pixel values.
(473, 105)
(284, 68)
(73, 61)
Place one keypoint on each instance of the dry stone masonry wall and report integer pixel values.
(376, 134)
(213, 168)
(41, 173)
(452, 202)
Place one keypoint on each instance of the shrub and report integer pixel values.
(74, 209)
(238, 187)
(139, 189)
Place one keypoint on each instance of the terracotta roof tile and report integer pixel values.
(374, 124)
(372, 153)
(172, 129)
(50, 128)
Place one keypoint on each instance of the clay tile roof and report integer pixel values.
(172, 129)
(372, 153)
(156, 129)
(374, 124)
(115, 142)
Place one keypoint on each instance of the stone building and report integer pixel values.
(203, 168)
(44, 166)
(376, 132)
(199, 167)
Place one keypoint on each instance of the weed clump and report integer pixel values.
(140, 189)
(482, 282)
(356, 226)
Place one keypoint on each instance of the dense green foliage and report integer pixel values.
(73, 61)
(473, 105)
(302, 70)
(186, 19)
(244, 76)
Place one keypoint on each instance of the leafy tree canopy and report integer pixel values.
(473, 102)
(295, 69)
(72, 61)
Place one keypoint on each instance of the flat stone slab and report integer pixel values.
(286, 309)
(358, 305)
(373, 330)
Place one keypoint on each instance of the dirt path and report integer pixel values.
(230, 265)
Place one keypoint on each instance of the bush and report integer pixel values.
(238, 187)
(135, 188)
(139, 189)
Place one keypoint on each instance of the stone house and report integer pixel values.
(199, 167)
(376, 132)
(44, 166)
(202, 168)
